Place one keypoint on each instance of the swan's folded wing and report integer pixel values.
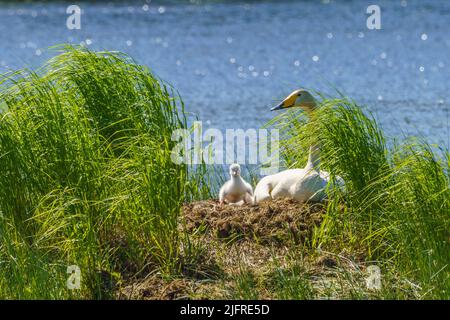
(310, 188)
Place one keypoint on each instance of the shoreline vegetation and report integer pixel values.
(87, 180)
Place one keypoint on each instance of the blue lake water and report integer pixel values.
(232, 60)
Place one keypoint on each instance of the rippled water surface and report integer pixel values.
(231, 61)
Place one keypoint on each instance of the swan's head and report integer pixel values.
(235, 170)
(299, 98)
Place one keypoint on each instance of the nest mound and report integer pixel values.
(237, 240)
(274, 221)
(156, 288)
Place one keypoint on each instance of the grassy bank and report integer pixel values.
(87, 180)
(87, 177)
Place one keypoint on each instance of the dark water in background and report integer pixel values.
(230, 61)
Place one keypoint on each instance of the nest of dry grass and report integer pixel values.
(274, 221)
(250, 236)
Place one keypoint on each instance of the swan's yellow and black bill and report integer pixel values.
(288, 102)
(278, 107)
(282, 105)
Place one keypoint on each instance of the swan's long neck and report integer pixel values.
(314, 149)
(314, 157)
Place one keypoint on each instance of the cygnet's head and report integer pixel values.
(235, 170)
(299, 98)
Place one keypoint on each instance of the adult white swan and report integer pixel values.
(307, 184)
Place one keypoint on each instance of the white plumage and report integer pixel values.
(307, 184)
(236, 190)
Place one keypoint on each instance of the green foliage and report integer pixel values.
(87, 177)
(396, 206)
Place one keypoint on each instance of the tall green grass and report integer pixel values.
(396, 207)
(87, 177)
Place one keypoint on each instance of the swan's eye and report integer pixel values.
(299, 94)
